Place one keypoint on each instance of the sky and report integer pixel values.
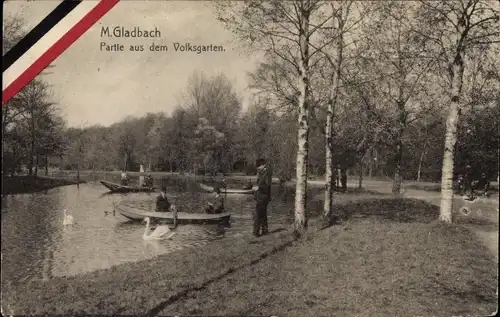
(98, 87)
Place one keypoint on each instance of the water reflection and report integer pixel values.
(36, 245)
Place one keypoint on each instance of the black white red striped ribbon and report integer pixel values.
(49, 39)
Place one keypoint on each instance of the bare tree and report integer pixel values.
(345, 17)
(455, 27)
(405, 67)
(286, 30)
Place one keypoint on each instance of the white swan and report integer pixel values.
(68, 219)
(159, 233)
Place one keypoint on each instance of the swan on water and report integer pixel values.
(68, 219)
(159, 233)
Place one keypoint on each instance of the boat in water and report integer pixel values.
(137, 213)
(211, 189)
(118, 188)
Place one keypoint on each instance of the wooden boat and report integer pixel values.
(135, 213)
(228, 190)
(118, 188)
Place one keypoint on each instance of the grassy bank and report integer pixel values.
(30, 184)
(388, 257)
(362, 269)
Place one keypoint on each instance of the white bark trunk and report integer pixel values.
(334, 91)
(421, 160)
(300, 223)
(398, 155)
(451, 139)
(329, 181)
(419, 171)
(141, 178)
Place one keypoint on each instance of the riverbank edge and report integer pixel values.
(114, 289)
(315, 181)
(151, 286)
(32, 184)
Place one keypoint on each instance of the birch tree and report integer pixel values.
(286, 30)
(405, 65)
(456, 27)
(345, 16)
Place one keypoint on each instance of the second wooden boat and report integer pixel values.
(118, 188)
(210, 189)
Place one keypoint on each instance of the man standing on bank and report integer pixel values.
(263, 197)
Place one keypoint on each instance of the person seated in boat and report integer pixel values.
(249, 185)
(217, 206)
(162, 203)
(124, 179)
(148, 181)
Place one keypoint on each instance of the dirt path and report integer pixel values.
(482, 220)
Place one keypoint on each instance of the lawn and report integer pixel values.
(362, 269)
(388, 257)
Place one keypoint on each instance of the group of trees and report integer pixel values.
(408, 90)
(374, 70)
(32, 126)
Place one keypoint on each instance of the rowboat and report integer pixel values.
(118, 188)
(135, 213)
(228, 190)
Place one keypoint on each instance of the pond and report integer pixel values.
(35, 244)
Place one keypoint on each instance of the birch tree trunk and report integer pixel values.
(419, 171)
(420, 161)
(396, 183)
(334, 92)
(300, 222)
(398, 157)
(457, 71)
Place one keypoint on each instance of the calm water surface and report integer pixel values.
(35, 245)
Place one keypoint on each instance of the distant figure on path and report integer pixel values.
(343, 179)
(249, 185)
(460, 185)
(263, 197)
(217, 206)
(124, 179)
(224, 183)
(483, 184)
(162, 203)
(149, 182)
(336, 183)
